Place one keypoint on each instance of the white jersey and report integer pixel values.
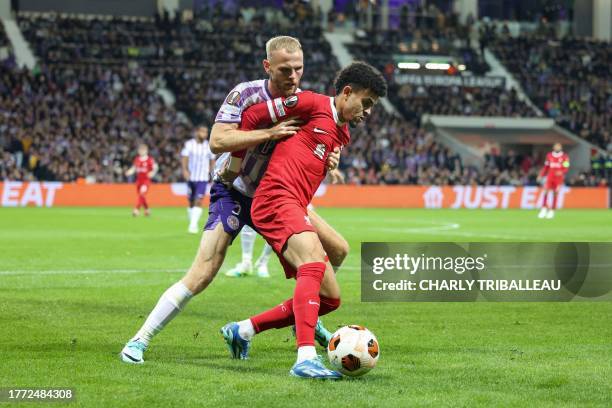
(255, 161)
(199, 155)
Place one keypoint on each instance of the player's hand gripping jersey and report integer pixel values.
(244, 172)
(298, 164)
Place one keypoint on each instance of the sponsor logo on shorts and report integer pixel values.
(291, 101)
(233, 222)
(233, 98)
(307, 219)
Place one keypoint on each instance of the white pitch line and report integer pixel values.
(453, 229)
(108, 271)
(425, 230)
(87, 271)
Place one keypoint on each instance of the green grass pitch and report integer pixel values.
(75, 285)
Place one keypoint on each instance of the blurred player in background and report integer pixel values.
(245, 267)
(279, 209)
(229, 208)
(145, 168)
(555, 168)
(196, 162)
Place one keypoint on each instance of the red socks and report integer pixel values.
(328, 305)
(275, 318)
(303, 309)
(142, 202)
(306, 301)
(282, 315)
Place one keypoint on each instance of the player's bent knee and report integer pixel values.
(198, 278)
(338, 253)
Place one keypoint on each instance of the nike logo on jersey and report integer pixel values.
(317, 130)
(319, 151)
(310, 302)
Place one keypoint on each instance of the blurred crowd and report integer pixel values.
(106, 84)
(390, 150)
(100, 90)
(569, 79)
(435, 33)
(84, 122)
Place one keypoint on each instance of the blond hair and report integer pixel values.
(291, 44)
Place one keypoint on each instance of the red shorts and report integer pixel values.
(553, 182)
(142, 186)
(277, 222)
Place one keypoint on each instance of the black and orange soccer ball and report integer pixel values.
(353, 350)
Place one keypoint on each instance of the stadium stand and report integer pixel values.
(568, 78)
(96, 94)
(66, 122)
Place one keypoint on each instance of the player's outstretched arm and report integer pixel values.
(226, 137)
(130, 171)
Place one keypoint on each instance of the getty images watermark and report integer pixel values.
(438, 271)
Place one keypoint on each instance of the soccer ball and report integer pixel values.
(353, 350)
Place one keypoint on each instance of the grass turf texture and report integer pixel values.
(75, 284)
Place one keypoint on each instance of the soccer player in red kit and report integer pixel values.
(294, 172)
(145, 168)
(555, 168)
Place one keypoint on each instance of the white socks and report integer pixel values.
(306, 353)
(194, 217)
(246, 329)
(265, 255)
(170, 303)
(247, 239)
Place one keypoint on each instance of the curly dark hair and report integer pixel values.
(360, 75)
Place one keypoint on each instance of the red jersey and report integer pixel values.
(556, 165)
(298, 164)
(143, 165)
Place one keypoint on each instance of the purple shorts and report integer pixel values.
(229, 207)
(196, 190)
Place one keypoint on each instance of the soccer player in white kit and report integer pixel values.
(196, 160)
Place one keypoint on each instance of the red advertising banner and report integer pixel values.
(56, 194)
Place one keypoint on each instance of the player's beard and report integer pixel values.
(290, 89)
(286, 89)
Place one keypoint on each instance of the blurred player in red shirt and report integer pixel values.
(555, 168)
(145, 168)
(279, 209)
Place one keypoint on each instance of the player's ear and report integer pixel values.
(347, 91)
(266, 65)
